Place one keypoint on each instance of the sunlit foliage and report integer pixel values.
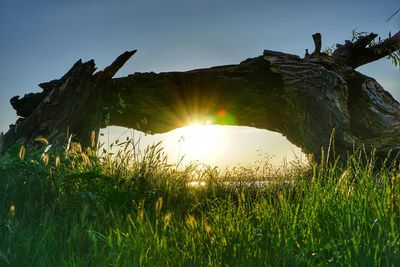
(83, 209)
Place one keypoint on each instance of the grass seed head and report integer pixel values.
(191, 222)
(22, 153)
(159, 204)
(13, 210)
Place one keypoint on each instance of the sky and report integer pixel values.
(40, 40)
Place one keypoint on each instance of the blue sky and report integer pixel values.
(41, 39)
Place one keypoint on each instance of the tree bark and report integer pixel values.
(304, 99)
(68, 106)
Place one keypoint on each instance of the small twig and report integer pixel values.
(393, 15)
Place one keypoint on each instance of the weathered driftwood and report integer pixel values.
(70, 105)
(302, 98)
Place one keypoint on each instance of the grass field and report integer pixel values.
(75, 208)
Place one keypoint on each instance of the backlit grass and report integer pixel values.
(76, 208)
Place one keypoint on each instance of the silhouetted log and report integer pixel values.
(305, 99)
(69, 106)
(26, 105)
(279, 92)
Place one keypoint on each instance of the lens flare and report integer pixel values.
(221, 113)
(223, 117)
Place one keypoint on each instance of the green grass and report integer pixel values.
(137, 210)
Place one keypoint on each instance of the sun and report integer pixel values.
(200, 142)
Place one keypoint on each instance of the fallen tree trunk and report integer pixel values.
(305, 99)
(70, 105)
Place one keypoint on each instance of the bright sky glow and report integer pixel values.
(200, 142)
(214, 145)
